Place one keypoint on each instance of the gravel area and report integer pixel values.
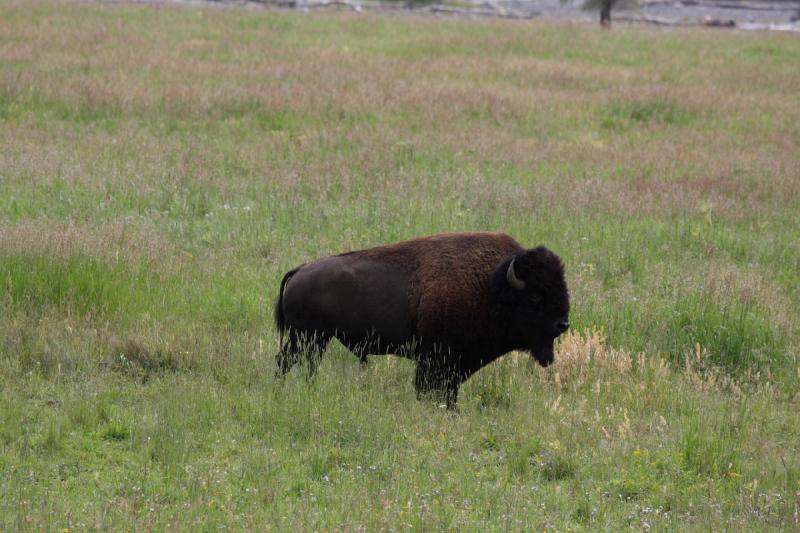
(742, 14)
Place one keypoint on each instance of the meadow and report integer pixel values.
(162, 167)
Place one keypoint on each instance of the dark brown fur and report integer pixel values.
(443, 301)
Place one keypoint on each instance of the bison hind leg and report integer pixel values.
(285, 359)
(362, 345)
(301, 346)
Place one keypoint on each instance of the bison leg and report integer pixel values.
(362, 346)
(451, 395)
(301, 346)
(361, 351)
(437, 378)
(285, 360)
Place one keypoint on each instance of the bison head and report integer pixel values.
(531, 291)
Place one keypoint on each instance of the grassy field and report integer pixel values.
(161, 168)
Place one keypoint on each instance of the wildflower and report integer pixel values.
(637, 452)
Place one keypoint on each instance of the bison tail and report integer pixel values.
(280, 319)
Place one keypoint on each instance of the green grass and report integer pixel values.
(623, 116)
(162, 168)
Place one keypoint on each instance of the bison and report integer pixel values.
(452, 302)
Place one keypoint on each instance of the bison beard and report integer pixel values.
(452, 302)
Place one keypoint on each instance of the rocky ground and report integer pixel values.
(748, 15)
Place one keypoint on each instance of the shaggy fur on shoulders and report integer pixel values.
(451, 282)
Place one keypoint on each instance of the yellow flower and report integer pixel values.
(637, 452)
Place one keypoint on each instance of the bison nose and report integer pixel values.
(562, 326)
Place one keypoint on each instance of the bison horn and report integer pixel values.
(512, 278)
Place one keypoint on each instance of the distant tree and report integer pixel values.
(605, 12)
(411, 4)
(605, 8)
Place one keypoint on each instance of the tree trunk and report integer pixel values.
(605, 13)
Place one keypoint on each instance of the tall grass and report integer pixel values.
(162, 168)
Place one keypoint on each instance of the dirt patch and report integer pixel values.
(753, 15)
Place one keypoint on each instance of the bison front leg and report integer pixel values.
(361, 350)
(439, 379)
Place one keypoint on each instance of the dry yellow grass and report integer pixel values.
(580, 354)
(119, 241)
